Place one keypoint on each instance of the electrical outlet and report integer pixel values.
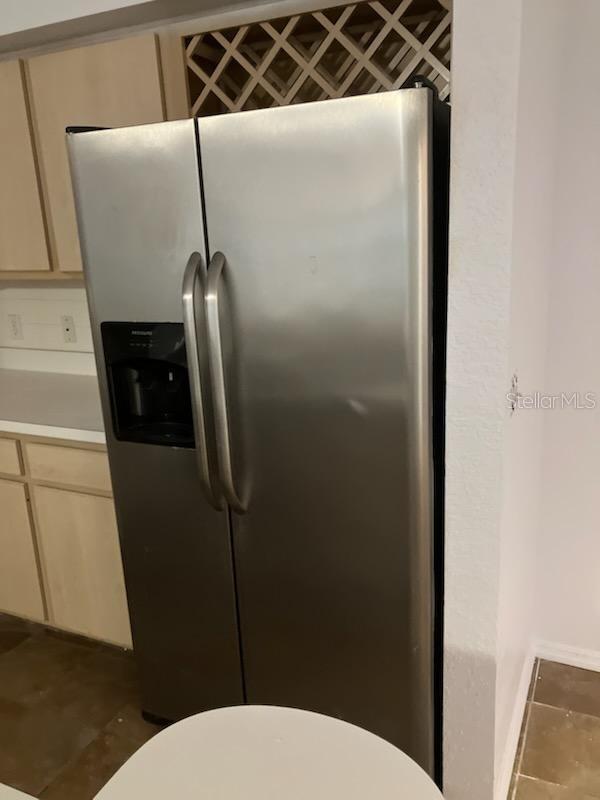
(68, 328)
(15, 326)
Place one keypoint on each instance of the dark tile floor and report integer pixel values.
(69, 712)
(559, 751)
(69, 718)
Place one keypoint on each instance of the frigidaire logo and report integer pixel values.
(142, 333)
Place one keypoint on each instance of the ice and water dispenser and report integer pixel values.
(148, 382)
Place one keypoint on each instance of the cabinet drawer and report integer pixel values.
(9, 457)
(68, 465)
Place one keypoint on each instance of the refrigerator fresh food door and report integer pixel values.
(140, 220)
(318, 316)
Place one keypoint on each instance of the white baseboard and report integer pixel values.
(565, 654)
(502, 783)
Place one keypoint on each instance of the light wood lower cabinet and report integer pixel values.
(60, 560)
(79, 547)
(20, 591)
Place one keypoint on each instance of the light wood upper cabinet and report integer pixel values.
(108, 85)
(20, 591)
(22, 233)
(80, 553)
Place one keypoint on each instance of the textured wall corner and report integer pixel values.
(485, 93)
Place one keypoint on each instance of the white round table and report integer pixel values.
(268, 753)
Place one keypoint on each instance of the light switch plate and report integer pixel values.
(15, 326)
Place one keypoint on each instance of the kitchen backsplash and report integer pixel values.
(46, 329)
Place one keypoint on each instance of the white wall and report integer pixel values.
(485, 72)
(508, 176)
(521, 526)
(569, 547)
(523, 513)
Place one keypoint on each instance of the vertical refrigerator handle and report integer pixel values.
(191, 277)
(217, 380)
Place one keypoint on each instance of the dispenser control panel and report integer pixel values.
(148, 382)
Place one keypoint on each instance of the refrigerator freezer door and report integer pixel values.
(323, 214)
(140, 217)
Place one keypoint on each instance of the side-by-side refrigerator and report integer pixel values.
(267, 292)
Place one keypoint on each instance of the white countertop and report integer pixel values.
(51, 404)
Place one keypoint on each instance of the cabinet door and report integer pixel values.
(20, 591)
(22, 232)
(107, 85)
(82, 563)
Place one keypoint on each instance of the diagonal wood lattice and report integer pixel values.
(347, 50)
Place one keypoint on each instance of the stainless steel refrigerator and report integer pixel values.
(267, 292)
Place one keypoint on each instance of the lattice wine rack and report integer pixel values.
(347, 50)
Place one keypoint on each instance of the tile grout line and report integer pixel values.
(530, 701)
(545, 782)
(565, 709)
(16, 646)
